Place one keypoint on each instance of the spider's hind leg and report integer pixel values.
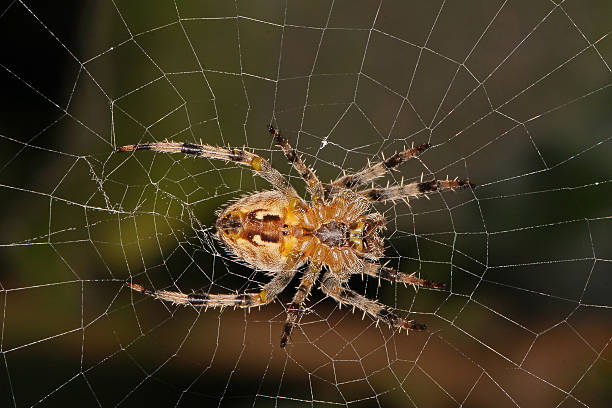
(250, 299)
(257, 163)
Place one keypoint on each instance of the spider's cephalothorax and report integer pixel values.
(277, 232)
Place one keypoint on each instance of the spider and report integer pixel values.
(278, 232)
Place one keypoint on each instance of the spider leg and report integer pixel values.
(390, 274)
(314, 185)
(250, 299)
(377, 170)
(415, 189)
(332, 285)
(258, 164)
(295, 307)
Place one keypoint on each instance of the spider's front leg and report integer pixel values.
(295, 307)
(392, 275)
(250, 299)
(379, 169)
(332, 285)
(415, 189)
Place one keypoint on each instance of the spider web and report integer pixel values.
(513, 95)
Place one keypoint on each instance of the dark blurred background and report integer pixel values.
(515, 96)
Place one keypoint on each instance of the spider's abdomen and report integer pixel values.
(255, 228)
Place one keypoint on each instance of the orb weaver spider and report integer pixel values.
(278, 232)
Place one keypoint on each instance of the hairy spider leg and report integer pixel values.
(390, 274)
(374, 171)
(295, 307)
(258, 164)
(268, 293)
(332, 285)
(315, 188)
(415, 189)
